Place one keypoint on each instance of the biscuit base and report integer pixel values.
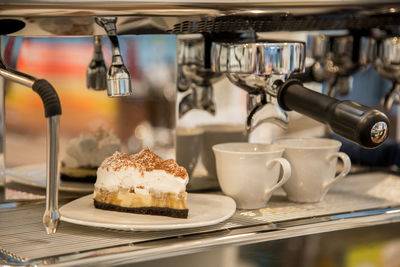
(162, 211)
(82, 174)
(85, 179)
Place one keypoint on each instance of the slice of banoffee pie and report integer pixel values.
(142, 183)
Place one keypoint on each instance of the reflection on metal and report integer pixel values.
(259, 67)
(379, 132)
(200, 97)
(392, 98)
(262, 57)
(368, 51)
(194, 76)
(260, 110)
(387, 65)
(118, 77)
(96, 73)
(336, 60)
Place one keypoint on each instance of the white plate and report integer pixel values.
(204, 210)
(35, 175)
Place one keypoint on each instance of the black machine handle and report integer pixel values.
(48, 94)
(361, 124)
(305, 77)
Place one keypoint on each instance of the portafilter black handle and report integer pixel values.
(361, 124)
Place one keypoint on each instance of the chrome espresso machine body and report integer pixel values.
(218, 39)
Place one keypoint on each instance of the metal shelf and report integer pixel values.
(23, 241)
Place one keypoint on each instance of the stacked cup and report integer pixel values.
(304, 168)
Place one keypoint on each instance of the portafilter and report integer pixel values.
(262, 67)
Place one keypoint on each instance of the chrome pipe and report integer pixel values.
(16, 76)
(51, 217)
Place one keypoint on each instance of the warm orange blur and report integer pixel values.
(64, 65)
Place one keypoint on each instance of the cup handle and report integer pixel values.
(346, 168)
(286, 173)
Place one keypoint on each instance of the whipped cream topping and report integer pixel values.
(89, 150)
(143, 173)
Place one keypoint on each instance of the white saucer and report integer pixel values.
(204, 210)
(35, 175)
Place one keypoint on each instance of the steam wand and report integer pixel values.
(52, 107)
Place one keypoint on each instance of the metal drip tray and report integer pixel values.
(359, 200)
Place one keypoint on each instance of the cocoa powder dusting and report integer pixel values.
(117, 161)
(145, 160)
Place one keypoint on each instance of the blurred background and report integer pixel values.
(151, 61)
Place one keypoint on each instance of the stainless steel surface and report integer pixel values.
(362, 200)
(191, 63)
(96, 73)
(368, 51)
(44, 17)
(387, 64)
(389, 57)
(118, 76)
(260, 110)
(260, 58)
(51, 217)
(335, 62)
(317, 46)
(392, 98)
(257, 67)
(193, 76)
(199, 97)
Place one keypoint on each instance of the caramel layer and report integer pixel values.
(127, 198)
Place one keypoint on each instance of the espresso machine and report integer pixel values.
(218, 43)
(226, 44)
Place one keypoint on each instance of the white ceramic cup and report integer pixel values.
(188, 147)
(216, 134)
(313, 162)
(249, 173)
